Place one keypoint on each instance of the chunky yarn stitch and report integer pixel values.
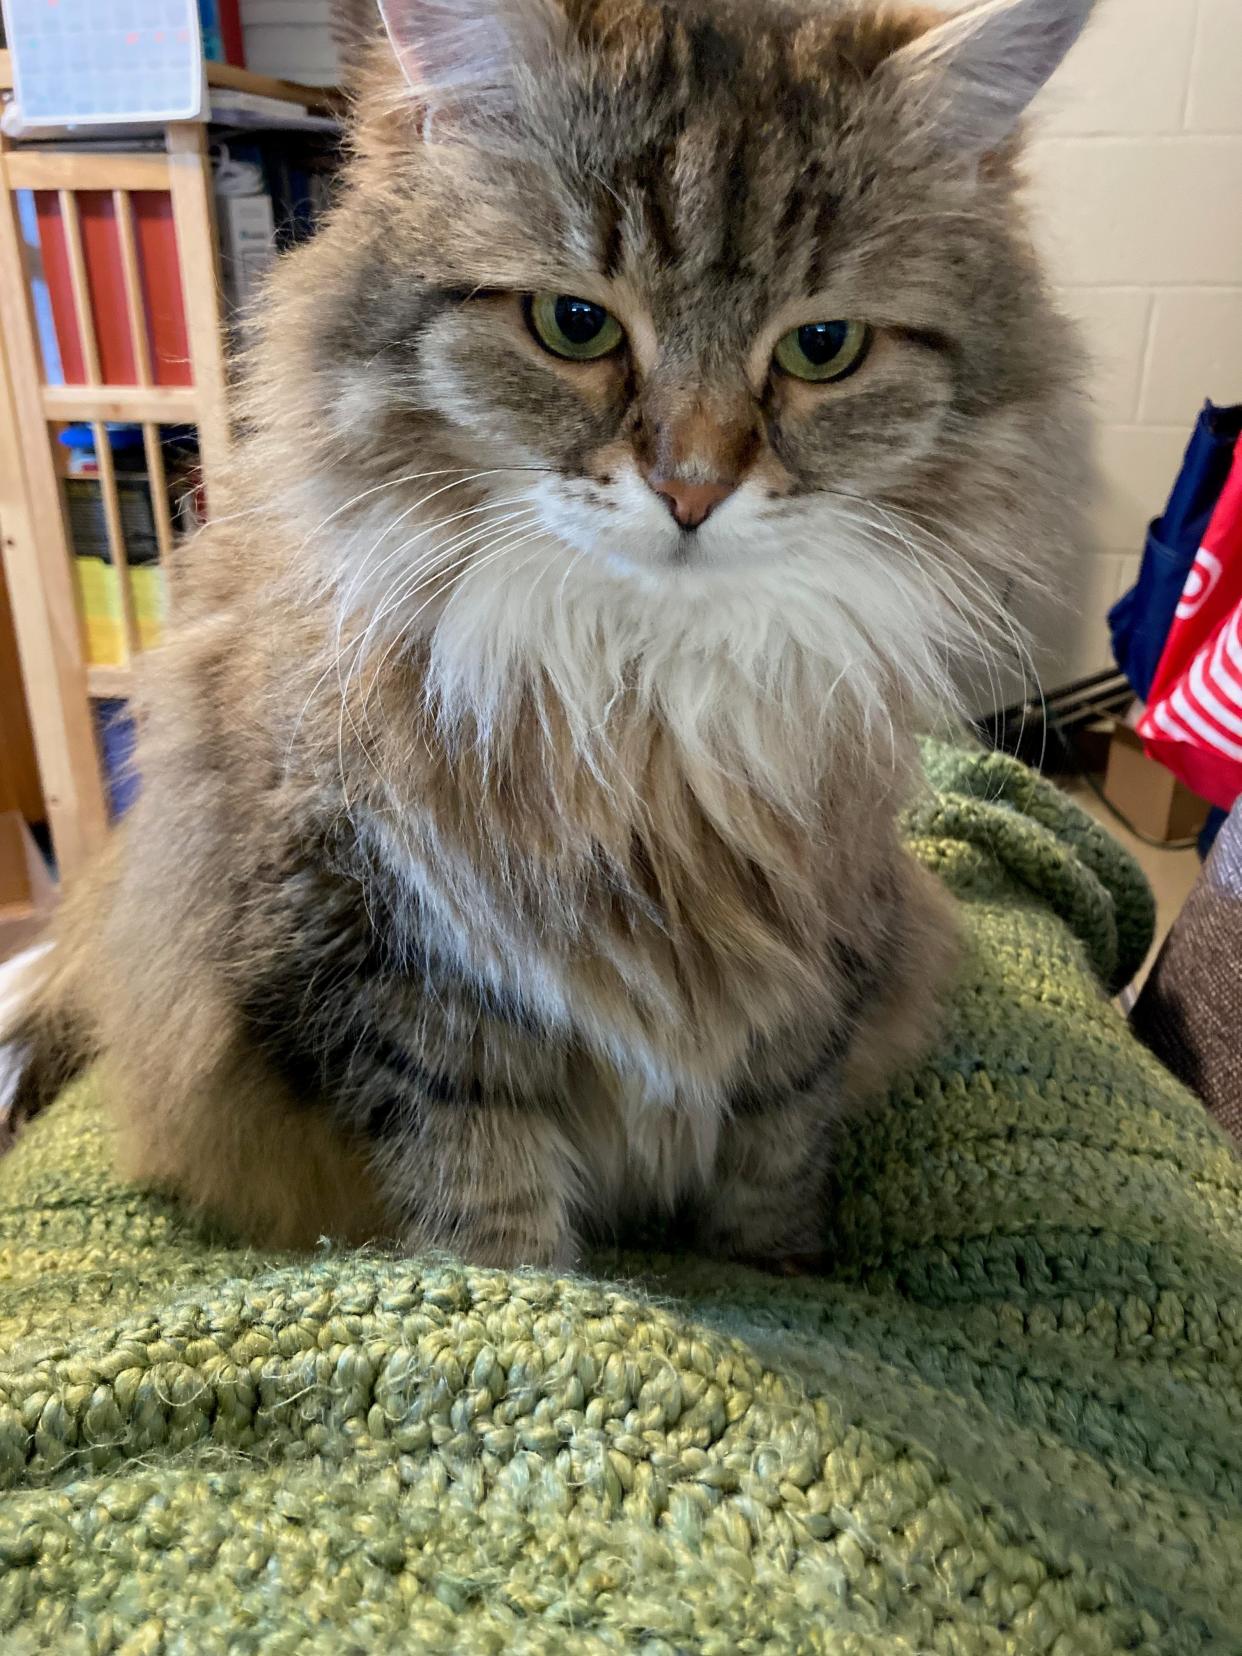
(1008, 1422)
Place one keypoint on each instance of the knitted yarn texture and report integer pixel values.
(1008, 1421)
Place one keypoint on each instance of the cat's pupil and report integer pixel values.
(821, 341)
(578, 319)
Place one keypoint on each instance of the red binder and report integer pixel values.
(59, 286)
(160, 271)
(102, 251)
(229, 13)
(159, 276)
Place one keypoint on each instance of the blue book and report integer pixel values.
(213, 39)
(40, 298)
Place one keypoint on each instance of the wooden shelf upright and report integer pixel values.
(37, 550)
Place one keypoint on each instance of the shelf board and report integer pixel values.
(110, 682)
(51, 169)
(161, 404)
(327, 100)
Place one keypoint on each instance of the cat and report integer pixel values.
(620, 478)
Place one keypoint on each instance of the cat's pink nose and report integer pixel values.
(691, 503)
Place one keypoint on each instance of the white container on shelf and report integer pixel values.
(300, 40)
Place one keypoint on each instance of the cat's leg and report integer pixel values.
(350, 1140)
(456, 1129)
(883, 988)
(456, 1107)
(491, 1182)
(766, 1204)
(449, 1090)
(898, 1018)
(290, 1147)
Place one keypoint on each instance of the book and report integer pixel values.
(223, 42)
(159, 274)
(252, 111)
(252, 103)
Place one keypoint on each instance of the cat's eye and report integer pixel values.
(573, 328)
(823, 351)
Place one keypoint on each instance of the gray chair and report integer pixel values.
(1190, 1009)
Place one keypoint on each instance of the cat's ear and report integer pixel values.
(466, 54)
(979, 71)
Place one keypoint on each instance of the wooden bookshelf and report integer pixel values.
(61, 683)
(109, 682)
(320, 100)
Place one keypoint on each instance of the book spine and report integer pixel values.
(40, 298)
(101, 250)
(209, 25)
(160, 272)
(231, 37)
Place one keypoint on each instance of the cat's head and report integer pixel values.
(704, 333)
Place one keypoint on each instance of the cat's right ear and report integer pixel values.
(468, 55)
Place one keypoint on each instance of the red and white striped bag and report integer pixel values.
(1193, 720)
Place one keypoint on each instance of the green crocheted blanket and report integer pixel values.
(1009, 1421)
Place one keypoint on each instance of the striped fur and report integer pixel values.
(509, 861)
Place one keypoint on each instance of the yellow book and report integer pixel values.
(146, 582)
(99, 592)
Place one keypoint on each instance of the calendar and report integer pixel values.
(87, 62)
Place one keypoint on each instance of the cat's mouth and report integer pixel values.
(686, 549)
(624, 526)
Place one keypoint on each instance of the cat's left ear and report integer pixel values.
(978, 72)
(468, 54)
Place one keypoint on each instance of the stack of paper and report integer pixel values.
(305, 40)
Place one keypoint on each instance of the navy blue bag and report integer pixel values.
(1140, 620)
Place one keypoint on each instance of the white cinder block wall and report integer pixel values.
(1137, 187)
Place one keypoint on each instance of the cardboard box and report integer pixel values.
(1151, 797)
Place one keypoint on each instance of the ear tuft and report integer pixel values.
(981, 70)
(468, 53)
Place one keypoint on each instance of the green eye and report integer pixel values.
(823, 351)
(573, 328)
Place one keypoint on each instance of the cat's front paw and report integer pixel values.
(794, 1257)
(500, 1251)
(791, 1264)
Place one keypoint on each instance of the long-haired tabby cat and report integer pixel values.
(623, 470)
